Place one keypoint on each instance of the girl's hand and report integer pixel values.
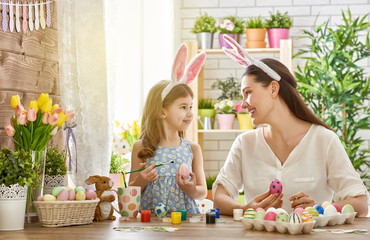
(302, 200)
(148, 175)
(266, 200)
(185, 185)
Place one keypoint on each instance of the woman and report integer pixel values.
(291, 145)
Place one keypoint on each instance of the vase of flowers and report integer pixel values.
(231, 26)
(244, 119)
(225, 114)
(31, 130)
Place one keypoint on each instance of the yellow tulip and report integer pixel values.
(42, 99)
(15, 101)
(55, 106)
(33, 104)
(62, 119)
(46, 107)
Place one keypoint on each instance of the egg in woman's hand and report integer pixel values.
(184, 171)
(276, 187)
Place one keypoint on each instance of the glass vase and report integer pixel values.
(38, 160)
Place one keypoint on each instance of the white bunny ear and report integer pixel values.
(178, 66)
(193, 68)
(236, 46)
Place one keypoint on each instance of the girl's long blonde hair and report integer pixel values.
(151, 127)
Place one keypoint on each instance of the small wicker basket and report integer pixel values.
(65, 213)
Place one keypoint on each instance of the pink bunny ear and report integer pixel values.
(180, 63)
(236, 58)
(231, 41)
(194, 67)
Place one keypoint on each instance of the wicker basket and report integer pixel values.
(65, 213)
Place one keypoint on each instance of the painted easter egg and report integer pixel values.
(299, 210)
(348, 209)
(282, 217)
(330, 210)
(279, 210)
(260, 215)
(80, 196)
(271, 209)
(276, 187)
(56, 190)
(312, 211)
(319, 209)
(325, 204)
(71, 195)
(40, 198)
(90, 194)
(306, 217)
(63, 195)
(249, 213)
(295, 218)
(184, 170)
(260, 209)
(160, 210)
(49, 197)
(337, 207)
(80, 189)
(270, 216)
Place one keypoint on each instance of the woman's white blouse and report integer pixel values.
(318, 166)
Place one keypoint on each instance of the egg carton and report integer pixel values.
(281, 227)
(337, 219)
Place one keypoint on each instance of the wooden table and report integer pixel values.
(189, 231)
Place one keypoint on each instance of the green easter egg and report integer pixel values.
(348, 209)
(55, 192)
(80, 189)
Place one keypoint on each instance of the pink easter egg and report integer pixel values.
(71, 195)
(339, 209)
(299, 210)
(63, 195)
(270, 216)
(40, 198)
(90, 194)
(276, 187)
(184, 170)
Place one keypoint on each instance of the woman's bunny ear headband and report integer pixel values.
(243, 58)
(182, 73)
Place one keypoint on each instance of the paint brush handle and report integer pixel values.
(141, 169)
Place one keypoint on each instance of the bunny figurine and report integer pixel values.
(103, 186)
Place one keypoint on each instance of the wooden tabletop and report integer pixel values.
(189, 231)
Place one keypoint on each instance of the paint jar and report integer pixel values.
(238, 213)
(176, 217)
(210, 217)
(145, 215)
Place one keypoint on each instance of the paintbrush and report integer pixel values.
(158, 165)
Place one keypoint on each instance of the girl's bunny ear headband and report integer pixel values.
(182, 73)
(243, 58)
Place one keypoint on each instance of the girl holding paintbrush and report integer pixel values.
(161, 150)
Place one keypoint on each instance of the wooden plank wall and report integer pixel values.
(28, 67)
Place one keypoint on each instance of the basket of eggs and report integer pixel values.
(66, 207)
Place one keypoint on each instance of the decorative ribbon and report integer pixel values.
(70, 134)
(5, 18)
(48, 16)
(30, 17)
(24, 15)
(11, 16)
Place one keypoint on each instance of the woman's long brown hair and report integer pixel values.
(288, 89)
(151, 128)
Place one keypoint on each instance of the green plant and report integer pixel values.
(118, 163)
(204, 23)
(335, 86)
(279, 21)
(209, 181)
(231, 24)
(255, 22)
(206, 103)
(230, 88)
(55, 162)
(16, 167)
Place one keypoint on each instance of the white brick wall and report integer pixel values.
(216, 146)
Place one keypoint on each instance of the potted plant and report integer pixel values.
(336, 86)
(209, 181)
(206, 108)
(225, 114)
(256, 33)
(204, 27)
(230, 88)
(278, 26)
(118, 164)
(245, 121)
(55, 169)
(232, 26)
(17, 172)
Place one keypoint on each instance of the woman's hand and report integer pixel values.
(302, 200)
(266, 200)
(185, 185)
(148, 175)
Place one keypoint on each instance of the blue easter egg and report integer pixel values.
(160, 210)
(319, 209)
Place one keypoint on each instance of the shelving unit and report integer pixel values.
(193, 133)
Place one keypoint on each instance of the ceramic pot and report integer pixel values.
(225, 121)
(202, 113)
(275, 35)
(223, 42)
(245, 121)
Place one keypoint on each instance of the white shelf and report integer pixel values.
(249, 50)
(222, 131)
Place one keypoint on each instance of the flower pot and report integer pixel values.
(52, 181)
(205, 40)
(256, 34)
(256, 44)
(275, 35)
(12, 207)
(202, 113)
(245, 121)
(225, 121)
(223, 42)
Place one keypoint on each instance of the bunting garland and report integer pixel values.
(23, 16)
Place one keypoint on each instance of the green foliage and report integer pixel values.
(118, 163)
(230, 88)
(209, 181)
(335, 85)
(55, 162)
(239, 25)
(206, 103)
(255, 22)
(279, 21)
(204, 23)
(16, 167)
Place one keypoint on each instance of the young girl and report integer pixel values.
(167, 114)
